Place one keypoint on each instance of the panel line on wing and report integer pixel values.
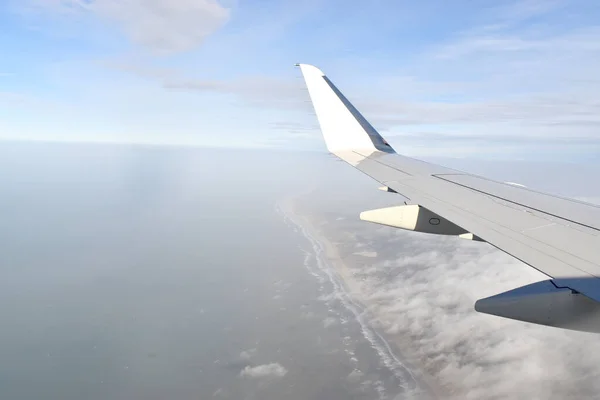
(522, 204)
(542, 248)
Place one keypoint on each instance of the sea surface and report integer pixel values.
(138, 272)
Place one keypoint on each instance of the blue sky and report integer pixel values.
(483, 78)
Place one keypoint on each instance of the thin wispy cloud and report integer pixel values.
(514, 12)
(161, 26)
(516, 67)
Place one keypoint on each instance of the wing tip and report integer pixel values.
(309, 68)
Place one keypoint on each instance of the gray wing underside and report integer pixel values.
(555, 235)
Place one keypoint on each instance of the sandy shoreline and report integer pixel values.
(342, 278)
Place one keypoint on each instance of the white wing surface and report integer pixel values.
(555, 235)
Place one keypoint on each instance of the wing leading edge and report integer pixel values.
(554, 235)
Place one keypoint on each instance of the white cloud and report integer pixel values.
(582, 39)
(424, 300)
(255, 90)
(273, 370)
(163, 26)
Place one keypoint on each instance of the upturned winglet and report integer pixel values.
(343, 126)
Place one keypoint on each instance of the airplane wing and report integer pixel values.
(555, 235)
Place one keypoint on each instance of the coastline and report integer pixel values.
(414, 295)
(331, 264)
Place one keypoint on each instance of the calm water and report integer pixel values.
(146, 273)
